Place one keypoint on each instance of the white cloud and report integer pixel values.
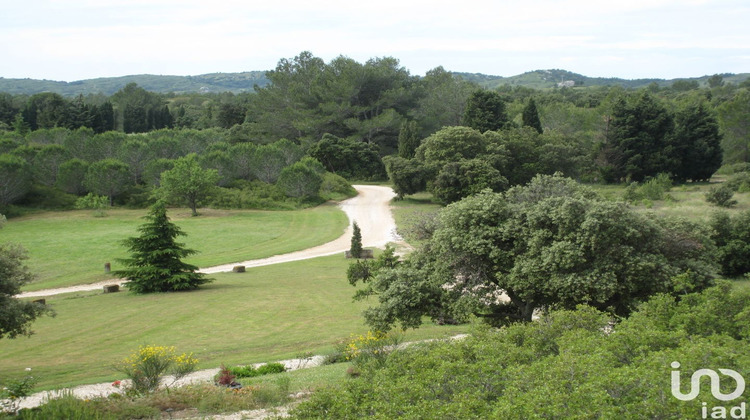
(76, 39)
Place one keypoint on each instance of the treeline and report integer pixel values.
(441, 132)
(51, 167)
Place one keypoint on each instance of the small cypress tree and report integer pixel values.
(156, 265)
(356, 249)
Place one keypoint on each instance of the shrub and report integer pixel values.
(732, 238)
(14, 390)
(739, 182)
(335, 187)
(371, 348)
(65, 407)
(251, 372)
(656, 188)
(653, 189)
(721, 196)
(91, 201)
(148, 364)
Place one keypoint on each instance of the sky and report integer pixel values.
(82, 39)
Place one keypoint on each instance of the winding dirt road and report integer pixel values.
(370, 209)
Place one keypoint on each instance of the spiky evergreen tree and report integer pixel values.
(356, 248)
(155, 264)
(530, 116)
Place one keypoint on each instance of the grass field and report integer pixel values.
(266, 314)
(68, 248)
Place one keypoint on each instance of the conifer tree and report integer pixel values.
(356, 248)
(530, 116)
(408, 139)
(155, 264)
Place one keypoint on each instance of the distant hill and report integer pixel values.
(213, 82)
(542, 79)
(244, 82)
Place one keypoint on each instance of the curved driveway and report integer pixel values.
(370, 209)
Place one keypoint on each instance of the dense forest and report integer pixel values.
(363, 121)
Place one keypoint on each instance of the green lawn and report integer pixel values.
(68, 248)
(266, 314)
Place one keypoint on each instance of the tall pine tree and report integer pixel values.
(155, 264)
(530, 116)
(696, 145)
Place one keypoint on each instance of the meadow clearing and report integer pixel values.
(268, 313)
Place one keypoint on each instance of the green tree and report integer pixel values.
(530, 116)
(47, 163)
(450, 145)
(732, 237)
(736, 127)
(15, 179)
(408, 139)
(444, 101)
(135, 154)
(156, 262)
(108, 177)
(457, 180)
(639, 130)
(485, 111)
(302, 179)
(696, 144)
(551, 243)
(351, 159)
(407, 176)
(356, 246)
(188, 182)
(715, 81)
(70, 176)
(268, 161)
(16, 315)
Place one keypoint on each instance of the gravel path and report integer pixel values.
(370, 209)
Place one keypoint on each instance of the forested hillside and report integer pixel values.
(366, 121)
(245, 82)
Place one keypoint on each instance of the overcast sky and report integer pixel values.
(81, 39)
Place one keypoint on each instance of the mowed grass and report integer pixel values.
(266, 314)
(69, 248)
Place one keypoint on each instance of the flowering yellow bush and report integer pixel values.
(375, 345)
(146, 366)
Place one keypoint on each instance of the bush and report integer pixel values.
(372, 348)
(91, 201)
(739, 182)
(653, 189)
(251, 372)
(66, 407)
(148, 364)
(721, 196)
(252, 195)
(566, 365)
(732, 238)
(656, 188)
(335, 187)
(14, 390)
